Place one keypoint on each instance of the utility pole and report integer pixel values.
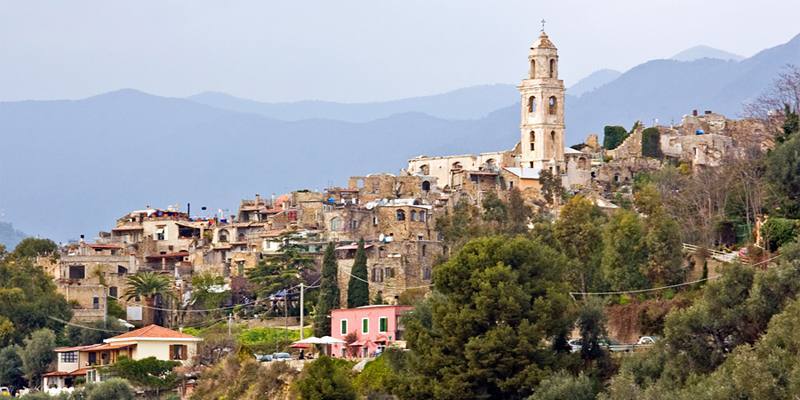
(230, 322)
(286, 313)
(302, 327)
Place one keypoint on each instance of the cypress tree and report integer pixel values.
(328, 293)
(358, 288)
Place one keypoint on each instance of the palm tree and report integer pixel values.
(151, 287)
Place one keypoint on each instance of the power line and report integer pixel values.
(83, 326)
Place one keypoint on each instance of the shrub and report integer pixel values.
(779, 231)
(326, 378)
(613, 136)
(651, 143)
(114, 388)
(562, 385)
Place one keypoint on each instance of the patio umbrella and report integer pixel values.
(310, 340)
(331, 340)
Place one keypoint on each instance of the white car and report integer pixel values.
(647, 340)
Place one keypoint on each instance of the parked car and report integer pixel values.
(575, 345)
(647, 340)
(281, 356)
(5, 392)
(263, 357)
(610, 345)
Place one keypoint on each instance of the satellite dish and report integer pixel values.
(381, 237)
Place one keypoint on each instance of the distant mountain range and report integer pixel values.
(76, 165)
(699, 52)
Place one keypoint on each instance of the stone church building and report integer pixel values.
(541, 145)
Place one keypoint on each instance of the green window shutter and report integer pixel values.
(344, 327)
(364, 326)
(384, 324)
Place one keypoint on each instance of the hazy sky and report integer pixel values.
(350, 50)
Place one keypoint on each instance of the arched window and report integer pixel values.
(223, 236)
(532, 104)
(422, 216)
(552, 67)
(583, 163)
(553, 103)
(553, 144)
(413, 215)
(426, 186)
(533, 69)
(424, 169)
(401, 215)
(336, 224)
(457, 165)
(533, 140)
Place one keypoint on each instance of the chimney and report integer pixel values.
(694, 113)
(708, 112)
(82, 237)
(258, 199)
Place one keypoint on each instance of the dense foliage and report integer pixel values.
(358, 286)
(328, 293)
(613, 136)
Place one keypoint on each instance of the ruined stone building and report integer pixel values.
(541, 142)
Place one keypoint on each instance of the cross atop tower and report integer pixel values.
(543, 22)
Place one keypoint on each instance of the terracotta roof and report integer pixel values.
(75, 348)
(77, 372)
(151, 332)
(107, 346)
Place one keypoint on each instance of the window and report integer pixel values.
(426, 186)
(533, 140)
(532, 104)
(91, 375)
(422, 216)
(389, 273)
(401, 215)
(365, 325)
(77, 272)
(96, 303)
(177, 352)
(353, 224)
(343, 327)
(121, 270)
(553, 105)
(336, 224)
(426, 273)
(113, 291)
(424, 249)
(383, 324)
(531, 164)
(374, 220)
(552, 68)
(69, 357)
(413, 215)
(553, 142)
(161, 232)
(533, 69)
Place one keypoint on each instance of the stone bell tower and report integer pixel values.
(542, 103)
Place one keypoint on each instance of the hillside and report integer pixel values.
(699, 52)
(123, 150)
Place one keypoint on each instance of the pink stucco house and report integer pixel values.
(376, 327)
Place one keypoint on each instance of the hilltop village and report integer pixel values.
(395, 214)
(199, 292)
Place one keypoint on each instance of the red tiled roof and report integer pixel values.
(107, 346)
(77, 372)
(75, 348)
(153, 331)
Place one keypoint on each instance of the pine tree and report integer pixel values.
(519, 213)
(358, 288)
(328, 293)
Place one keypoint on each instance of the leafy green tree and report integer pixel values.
(328, 292)
(494, 210)
(624, 252)
(99, 330)
(150, 374)
(781, 166)
(28, 301)
(779, 231)
(500, 299)
(651, 143)
(613, 136)
(151, 287)
(11, 374)
(115, 388)
(562, 385)
(552, 187)
(206, 291)
(326, 379)
(591, 324)
(519, 213)
(37, 354)
(791, 123)
(283, 270)
(578, 232)
(664, 251)
(357, 287)
(33, 247)
(460, 225)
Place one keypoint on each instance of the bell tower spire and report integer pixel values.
(542, 103)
